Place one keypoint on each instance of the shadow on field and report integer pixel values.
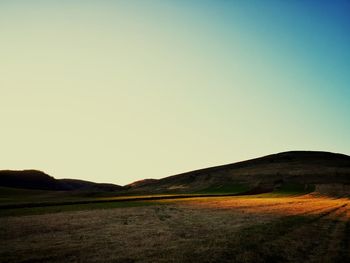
(299, 238)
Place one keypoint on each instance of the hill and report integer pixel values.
(34, 179)
(324, 171)
(74, 184)
(296, 170)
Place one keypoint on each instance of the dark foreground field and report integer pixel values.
(216, 229)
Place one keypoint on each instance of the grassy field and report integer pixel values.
(18, 196)
(41, 201)
(201, 229)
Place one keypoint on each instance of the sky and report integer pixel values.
(118, 91)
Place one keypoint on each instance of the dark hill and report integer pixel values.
(29, 179)
(33, 179)
(322, 169)
(73, 184)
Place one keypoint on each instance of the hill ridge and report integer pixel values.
(302, 167)
(36, 179)
(318, 168)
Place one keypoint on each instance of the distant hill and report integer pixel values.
(73, 184)
(326, 171)
(34, 179)
(323, 171)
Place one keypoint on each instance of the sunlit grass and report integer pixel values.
(268, 204)
(289, 199)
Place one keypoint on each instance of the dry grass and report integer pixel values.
(294, 205)
(225, 229)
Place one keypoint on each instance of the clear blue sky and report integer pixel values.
(116, 91)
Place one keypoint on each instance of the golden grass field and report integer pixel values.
(258, 228)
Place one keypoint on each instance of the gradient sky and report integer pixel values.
(116, 91)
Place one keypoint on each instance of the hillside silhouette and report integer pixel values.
(34, 179)
(324, 170)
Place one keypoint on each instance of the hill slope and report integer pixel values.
(327, 172)
(34, 179)
(322, 169)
